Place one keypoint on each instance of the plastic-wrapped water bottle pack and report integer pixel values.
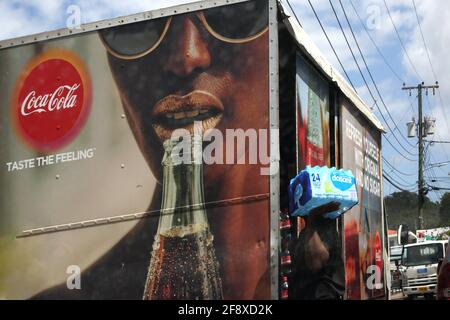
(317, 186)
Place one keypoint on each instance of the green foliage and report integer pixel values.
(443, 236)
(401, 208)
(444, 210)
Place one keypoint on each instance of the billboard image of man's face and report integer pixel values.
(208, 67)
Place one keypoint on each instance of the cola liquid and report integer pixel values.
(184, 266)
(183, 263)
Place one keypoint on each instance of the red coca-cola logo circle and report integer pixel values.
(52, 100)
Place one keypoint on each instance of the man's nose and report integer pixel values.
(188, 51)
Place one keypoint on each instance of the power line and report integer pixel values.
(443, 111)
(429, 60)
(440, 189)
(371, 76)
(393, 167)
(394, 184)
(293, 11)
(440, 181)
(423, 39)
(442, 108)
(401, 42)
(405, 114)
(400, 153)
(365, 81)
(375, 45)
(434, 176)
(400, 179)
(437, 134)
(440, 193)
(411, 105)
(403, 183)
(323, 29)
(432, 171)
(438, 141)
(430, 175)
(331, 45)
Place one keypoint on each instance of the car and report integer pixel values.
(443, 285)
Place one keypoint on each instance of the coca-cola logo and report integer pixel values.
(64, 97)
(52, 100)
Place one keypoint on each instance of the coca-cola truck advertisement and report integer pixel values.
(363, 225)
(94, 202)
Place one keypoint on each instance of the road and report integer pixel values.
(400, 296)
(397, 296)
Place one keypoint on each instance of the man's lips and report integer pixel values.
(179, 111)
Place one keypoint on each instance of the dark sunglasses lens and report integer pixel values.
(134, 38)
(239, 21)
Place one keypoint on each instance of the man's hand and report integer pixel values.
(316, 215)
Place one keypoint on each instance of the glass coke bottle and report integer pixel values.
(183, 262)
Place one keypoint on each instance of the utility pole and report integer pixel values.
(421, 133)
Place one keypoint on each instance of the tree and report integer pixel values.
(401, 208)
(444, 210)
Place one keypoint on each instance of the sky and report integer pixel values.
(410, 65)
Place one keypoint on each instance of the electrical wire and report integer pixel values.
(431, 175)
(375, 45)
(401, 42)
(332, 47)
(437, 134)
(423, 39)
(400, 153)
(365, 81)
(400, 179)
(371, 76)
(394, 184)
(411, 104)
(394, 168)
(429, 60)
(293, 11)
(442, 108)
(404, 184)
(326, 35)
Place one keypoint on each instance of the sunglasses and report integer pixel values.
(239, 23)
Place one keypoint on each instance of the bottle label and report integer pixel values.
(285, 224)
(284, 294)
(286, 260)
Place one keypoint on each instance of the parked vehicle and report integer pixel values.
(419, 268)
(443, 285)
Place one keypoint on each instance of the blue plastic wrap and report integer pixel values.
(318, 186)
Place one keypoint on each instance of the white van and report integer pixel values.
(419, 267)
